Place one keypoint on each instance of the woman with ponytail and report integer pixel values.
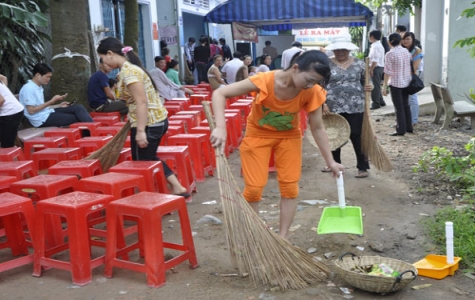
(147, 116)
(274, 126)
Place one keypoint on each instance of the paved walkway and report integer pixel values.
(426, 104)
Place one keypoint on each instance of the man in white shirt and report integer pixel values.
(376, 69)
(230, 69)
(288, 54)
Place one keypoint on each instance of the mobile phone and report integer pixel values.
(73, 102)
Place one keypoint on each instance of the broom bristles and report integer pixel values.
(255, 248)
(369, 143)
(110, 152)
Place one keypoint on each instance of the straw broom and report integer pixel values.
(369, 142)
(109, 153)
(255, 248)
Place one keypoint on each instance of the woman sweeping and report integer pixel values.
(273, 125)
(147, 116)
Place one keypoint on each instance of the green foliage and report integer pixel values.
(464, 233)
(459, 170)
(470, 41)
(21, 45)
(356, 33)
(402, 6)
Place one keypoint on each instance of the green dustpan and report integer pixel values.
(341, 218)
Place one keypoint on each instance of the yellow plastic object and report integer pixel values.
(341, 220)
(436, 266)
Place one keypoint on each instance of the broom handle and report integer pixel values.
(366, 80)
(209, 114)
(341, 191)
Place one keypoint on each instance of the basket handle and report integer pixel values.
(347, 253)
(399, 279)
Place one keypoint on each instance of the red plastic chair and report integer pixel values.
(152, 172)
(11, 154)
(81, 168)
(178, 159)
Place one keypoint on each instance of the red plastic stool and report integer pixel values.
(71, 134)
(5, 182)
(244, 108)
(207, 86)
(152, 172)
(171, 131)
(14, 211)
(207, 132)
(40, 143)
(179, 123)
(180, 104)
(106, 120)
(127, 142)
(149, 208)
(125, 155)
(91, 126)
(231, 139)
(116, 184)
(108, 130)
(44, 186)
(189, 120)
(75, 208)
(185, 101)
(172, 109)
(105, 114)
(195, 113)
(20, 169)
(200, 109)
(81, 168)
(11, 154)
(119, 124)
(235, 118)
(91, 143)
(200, 151)
(56, 155)
(178, 159)
(196, 99)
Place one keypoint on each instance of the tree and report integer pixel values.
(22, 39)
(131, 32)
(402, 6)
(470, 41)
(69, 19)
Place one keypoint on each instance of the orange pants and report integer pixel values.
(255, 155)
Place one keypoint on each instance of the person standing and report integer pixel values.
(409, 42)
(376, 68)
(11, 114)
(39, 112)
(230, 68)
(274, 126)
(227, 55)
(100, 96)
(346, 97)
(189, 53)
(147, 116)
(288, 54)
(269, 50)
(397, 75)
(202, 53)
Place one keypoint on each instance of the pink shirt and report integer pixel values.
(397, 64)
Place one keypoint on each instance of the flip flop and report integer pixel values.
(186, 195)
(362, 174)
(326, 170)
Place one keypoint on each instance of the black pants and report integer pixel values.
(201, 69)
(376, 96)
(9, 129)
(65, 116)
(400, 99)
(356, 125)
(154, 136)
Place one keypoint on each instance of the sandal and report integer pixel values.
(326, 169)
(362, 174)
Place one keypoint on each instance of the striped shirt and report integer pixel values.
(398, 66)
(130, 74)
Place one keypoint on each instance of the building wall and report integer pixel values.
(460, 74)
(432, 19)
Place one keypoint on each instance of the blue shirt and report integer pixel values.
(95, 89)
(32, 94)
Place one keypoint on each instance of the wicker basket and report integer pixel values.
(376, 284)
(338, 130)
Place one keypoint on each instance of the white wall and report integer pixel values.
(460, 67)
(432, 19)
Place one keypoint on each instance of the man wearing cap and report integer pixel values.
(288, 54)
(346, 96)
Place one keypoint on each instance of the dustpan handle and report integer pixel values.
(341, 191)
(399, 279)
(348, 253)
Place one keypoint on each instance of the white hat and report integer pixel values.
(342, 42)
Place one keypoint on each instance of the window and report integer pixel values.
(197, 3)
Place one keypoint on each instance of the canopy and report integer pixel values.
(291, 14)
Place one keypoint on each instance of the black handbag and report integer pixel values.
(416, 84)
